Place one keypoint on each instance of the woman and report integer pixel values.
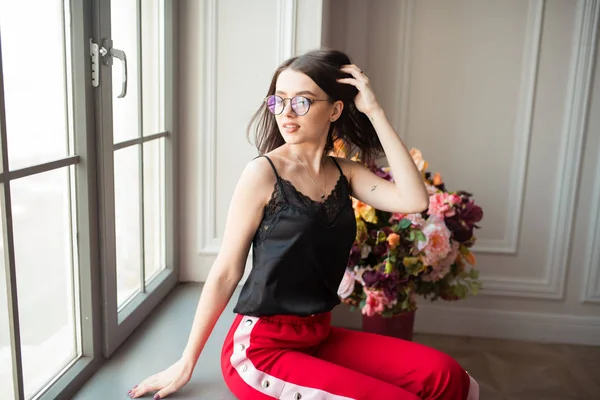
(293, 205)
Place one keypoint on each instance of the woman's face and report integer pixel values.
(312, 126)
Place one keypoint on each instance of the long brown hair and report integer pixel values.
(353, 128)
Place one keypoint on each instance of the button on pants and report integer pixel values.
(290, 357)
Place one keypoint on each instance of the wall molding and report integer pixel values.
(529, 326)
(591, 275)
(523, 133)
(287, 16)
(551, 286)
(574, 128)
(209, 243)
(523, 126)
(403, 89)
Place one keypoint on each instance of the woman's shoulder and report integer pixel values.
(259, 175)
(347, 165)
(260, 168)
(280, 162)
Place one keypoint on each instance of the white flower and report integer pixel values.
(365, 250)
(347, 285)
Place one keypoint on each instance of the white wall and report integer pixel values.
(229, 50)
(496, 96)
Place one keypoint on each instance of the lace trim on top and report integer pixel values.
(272, 211)
(286, 195)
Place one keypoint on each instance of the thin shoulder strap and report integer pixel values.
(272, 165)
(337, 165)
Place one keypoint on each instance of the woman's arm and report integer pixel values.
(408, 194)
(245, 213)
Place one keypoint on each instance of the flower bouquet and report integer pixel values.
(396, 257)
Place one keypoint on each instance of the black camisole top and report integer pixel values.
(300, 252)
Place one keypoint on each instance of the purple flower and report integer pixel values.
(355, 256)
(471, 213)
(388, 283)
(379, 250)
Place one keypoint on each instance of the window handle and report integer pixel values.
(108, 53)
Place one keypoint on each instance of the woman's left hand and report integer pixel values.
(365, 99)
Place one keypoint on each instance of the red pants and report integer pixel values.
(288, 357)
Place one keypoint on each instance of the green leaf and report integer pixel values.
(411, 236)
(461, 291)
(474, 273)
(410, 261)
(404, 223)
(389, 267)
(475, 287)
(420, 236)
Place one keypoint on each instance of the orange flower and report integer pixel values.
(470, 258)
(418, 159)
(364, 211)
(437, 179)
(340, 149)
(393, 240)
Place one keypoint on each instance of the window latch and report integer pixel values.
(105, 54)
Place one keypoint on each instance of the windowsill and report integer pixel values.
(156, 344)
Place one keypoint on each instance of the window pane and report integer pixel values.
(127, 222)
(44, 262)
(154, 207)
(153, 66)
(126, 111)
(35, 83)
(6, 372)
(125, 37)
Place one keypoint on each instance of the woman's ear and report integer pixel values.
(338, 107)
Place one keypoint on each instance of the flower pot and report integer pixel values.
(400, 326)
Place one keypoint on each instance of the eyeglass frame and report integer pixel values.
(283, 100)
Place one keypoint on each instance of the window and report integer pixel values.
(87, 174)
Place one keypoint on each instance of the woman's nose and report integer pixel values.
(287, 108)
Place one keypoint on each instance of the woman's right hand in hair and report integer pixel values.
(166, 382)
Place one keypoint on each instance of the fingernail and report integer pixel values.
(156, 397)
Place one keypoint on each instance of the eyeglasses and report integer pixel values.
(300, 104)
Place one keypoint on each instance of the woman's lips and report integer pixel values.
(290, 127)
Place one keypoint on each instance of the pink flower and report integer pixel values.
(441, 204)
(416, 219)
(347, 285)
(396, 217)
(431, 189)
(376, 302)
(442, 267)
(437, 244)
